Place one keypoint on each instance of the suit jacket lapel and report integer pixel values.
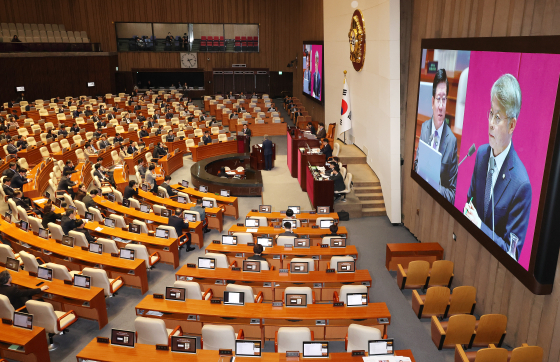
(482, 172)
(444, 133)
(503, 181)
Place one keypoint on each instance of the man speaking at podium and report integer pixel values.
(499, 198)
(437, 134)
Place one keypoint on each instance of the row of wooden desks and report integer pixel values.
(133, 272)
(152, 220)
(315, 234)
(271, 283)
(304, 217)
(87, 303)
(230, 204)
(147, 353)
(280, 257)
(213, 149)
(262, 320)
(32, 344)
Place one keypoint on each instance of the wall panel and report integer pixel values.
(531, 319)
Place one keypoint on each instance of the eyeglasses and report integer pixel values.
(441, 100)
(495, 118)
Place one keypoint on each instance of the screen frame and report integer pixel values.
(12, 260)
(322, 43)
(198, 263)
(539, 278)
(265, 212)
(183, 294)
(84, 276)
(255, 262)
(26, 314)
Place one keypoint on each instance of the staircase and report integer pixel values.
(366, 198)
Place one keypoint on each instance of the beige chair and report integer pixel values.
(7, 252)
(222, 137)
(141, 252)
(434, 303)
(80, 155)
(358, 336)
(30, 262)
(216, 337)
(458, 330)
(247, 291)
(109, 246)
(56, 231)
(119, 220)
(99, 279)
(220, 259)
(79, 239)
(333, 264)
(81, 208)
(61, 271)
(284, 239)
(153, 331)
(7, 309)
(193, 290)
(44, 152)
(35, 223)
(291, 339)
(54, 322)
(415, 276)
(348, 289)
(143, 226)
(243, 238)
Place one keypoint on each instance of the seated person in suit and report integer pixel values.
(48, 216)
(101, 110)
(21, 143)
(159, 151)
(327, 149)
(68, 222)
(7, 188)
(160, 130)
(12, 149)
(242, 96)
(66, 184)
(141, 118)
(169, 114)
(151, 178)
(179, 224)
(69, 166)
(97, 134)
(288, 229)
(222, 172)
(10, 171)
(130, 190)
(169, 189)
(137, 107)
(202, 118)
(16, 295)
(89, 149)
(122, 154)
(336, 176)
(62, 131)
(75, 128)
(110, 115)
(150, 123)
(170, 136)
(101, 124)
(88, 112)
(198, 208)
(88, 199)
(80, 228)
(142, 167)
(19, 179)
(133, 147)
(321, 133)
(118, 138)
(143, 132)
(82, 192)
(103, 143)
(60, 109)
(257, 253)
(206, 138)
(105, 172)
(25, 202)
(310, 128)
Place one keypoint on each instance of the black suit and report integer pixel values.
(104, 144)
(338, 182)
(101, 124)
(75, 129)
(17, 296)
(169, 138)
(169, 190)
(12, 150)
(206, 140)
(150, 124)
(144, 133)
(129, 192)
(66, 185)
(311, 128)
(9, 173)
(69, 169)
(118, 139)
(88, 201)
(18, 181)
(169, 116)
(131, 150)
(67, 224)
(327, 151)
(63, 132)
(159, 152)
(49, 217)
(267, 150)
(89, 238)
(22, 144)
(9, 191)
(179, 225)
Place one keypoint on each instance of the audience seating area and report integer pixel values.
(41, 33)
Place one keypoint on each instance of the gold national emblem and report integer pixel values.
(357, 40)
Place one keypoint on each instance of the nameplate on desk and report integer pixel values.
(250, 244)
(240, 224)
(320, 322)
(276, 257)
(277, 304)
(315, 257)
(330, 270)
(85, 248)
(324, 245)
(367, 284)
(191, 317)
(7, 321)
(158, 296)
(255, 321)
(267, 285)
(383, 320)
(283, 271)
(304, 220)
(358, 353)
(225, 352)
(115, 255)
(215, 301)
(277, 226)
(254, 210)
(317, 285)
(338, 304)
(215, 241)
(239, 255)
(292, 354)
(312, 212)
(103, 340)
(189, 265)
(162, 347)
(33, 274)
(315, 226)
(235, 268)
(68, 282)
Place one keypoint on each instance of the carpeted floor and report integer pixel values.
(368, 234)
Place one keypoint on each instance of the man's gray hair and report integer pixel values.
(316, 56)
(265, 136)
(508, 93)
(4, 277)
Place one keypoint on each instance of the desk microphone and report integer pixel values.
(470, 153)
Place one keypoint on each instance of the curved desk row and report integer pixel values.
(133, 272)
(278, 216)
(313, 233)
(230, 204)
(262, 320)
(271, 283)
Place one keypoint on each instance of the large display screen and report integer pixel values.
(484, 141)
(313, 81)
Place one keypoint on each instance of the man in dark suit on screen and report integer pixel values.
(437, 134)
(267, 150)
(499, 198)
(317, 78)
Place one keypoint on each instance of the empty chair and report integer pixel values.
(247, 291)
(434, 303)
(220, 259)
(216, 337)
(143, 226)
(81, 208)
(153, 331)
(339, 259)
(358, 336)
(284, 239)
(463, 301)
(527, 353)
(491, 354)
(458, 330)
(291, 338)
(6, 252)
(141, 252)
(35, 223)
(61, 271)
(298, 222)
(54, 322)
(99, 279)
(299, 290)
(30, 263)
(109, 246)
(490, 329)
(96, 214)
(6, 308)
(310, 262)
(222, 137)
(119, 220)
(44, 153)
(441, 274)
(79, 238)
(263, 221)
(348, 289)
(193, 290)
(415, 276)
(56, 231)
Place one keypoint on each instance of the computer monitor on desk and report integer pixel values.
(229, 239)
(301, 243)
(323, 210)
(296, 300)
(44, 273)
(133, 228)
(127, 254)
(264, 241)
(89, 216)
(207, 203)
(162, 233)
(299, 267)
(346, 266)
(252, 223)
(82, 281)
(252, 266)
(12, 264)
(183, 344)
(295, 209)
(23, 320)
(181, 199)
(190, 217)
(109, 223)
(356, 299)
(338, 242)
(96, 248)
(43, 233)
(381, 347)
(206, 263)
(325, 224)
(245, 348)
(312, 349)
(172, 293)
(203, 188)
(122, 338)
(265, 208)
(234, 298)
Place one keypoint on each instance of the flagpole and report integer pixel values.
(345, 83)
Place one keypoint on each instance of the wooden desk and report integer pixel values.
(278, 216)
(32, 155)
(39, 180)
(87, 303)
(147, 353)
(320, 192)
(152, 220)
(171, 162)
(280, 257)
(296, 141)
(34, 342)
(215, 149)
(323, 283)
(260, 129)
(168, 249)
(404, 253)
(180, 144)
(133, 272)
(230, 203)
(105, 154)
(214, 215)
(316, 235)
(304, 159)
(68, 154)
(271, 318)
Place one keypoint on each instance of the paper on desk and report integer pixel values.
(154, 313)
(316, 150)
(40, 201)
(98, 228)
(252, 230)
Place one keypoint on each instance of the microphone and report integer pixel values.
(470, 153)
(431, 139)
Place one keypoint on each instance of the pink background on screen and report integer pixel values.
(316, 48)
(538, 78)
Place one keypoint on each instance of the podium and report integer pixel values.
(257, 157)
(242, 145)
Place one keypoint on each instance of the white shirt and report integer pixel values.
(499, 162)
(439, 130)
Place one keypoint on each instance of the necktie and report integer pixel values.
(488, 188)
(436, 139)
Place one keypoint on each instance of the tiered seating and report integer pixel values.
(41, 33)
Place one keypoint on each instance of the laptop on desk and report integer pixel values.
(429, 164)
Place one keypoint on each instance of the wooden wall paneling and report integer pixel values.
(508, 282)
(498, 288)
(516, 18)
(471, 260)
(481, 281)
(527, 17)
(535, 319)
(523, 326)
(499, 25)
(549, 319)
